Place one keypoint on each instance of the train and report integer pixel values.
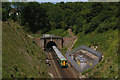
(61, 59)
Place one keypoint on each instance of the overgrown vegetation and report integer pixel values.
(104, 34)
(21, 56)
(80, 17)
(93, 23)
(59, 32)
(107, 43)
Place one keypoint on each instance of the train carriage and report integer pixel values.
(62, 60)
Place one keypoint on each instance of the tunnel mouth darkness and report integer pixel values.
(50, 44)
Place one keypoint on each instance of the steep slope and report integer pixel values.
(107, 44)
(0, 50)
(21, 56)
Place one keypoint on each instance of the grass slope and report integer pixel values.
(21, 57)
(56, 32)
(0, 50)
(59, 32)
(107, 43)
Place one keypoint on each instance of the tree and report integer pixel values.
(6, 7)
(63, 25)
(35, 16)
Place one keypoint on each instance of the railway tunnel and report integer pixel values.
(46, 43)
(50, 44)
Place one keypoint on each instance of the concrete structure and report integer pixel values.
(92, 58)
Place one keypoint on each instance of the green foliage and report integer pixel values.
(20, 58)
(38, 22)
(5, 11)
(107, 43)
(93, 23)
(89, 70)
(44, 17)
(59, 32)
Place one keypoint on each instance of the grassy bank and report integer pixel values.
(21, 57)
(0, 50)
(56, 32)
(59, 32)
(107, 43)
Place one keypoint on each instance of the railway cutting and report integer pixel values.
(73, 63)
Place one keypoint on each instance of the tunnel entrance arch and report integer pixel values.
(52, 40)
(50, 44)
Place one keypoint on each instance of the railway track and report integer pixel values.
(57, 71)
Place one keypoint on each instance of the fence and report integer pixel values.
(94, 52)
(88, 66)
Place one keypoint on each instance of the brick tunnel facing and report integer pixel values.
(58, 40)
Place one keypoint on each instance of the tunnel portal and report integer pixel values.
(48, 41)
(50, 44)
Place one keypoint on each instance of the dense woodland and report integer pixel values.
(79, 16)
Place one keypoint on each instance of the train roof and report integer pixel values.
(58, 53)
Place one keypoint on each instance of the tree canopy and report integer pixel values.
(79, 16)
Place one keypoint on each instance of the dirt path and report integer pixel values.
(74, 40)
